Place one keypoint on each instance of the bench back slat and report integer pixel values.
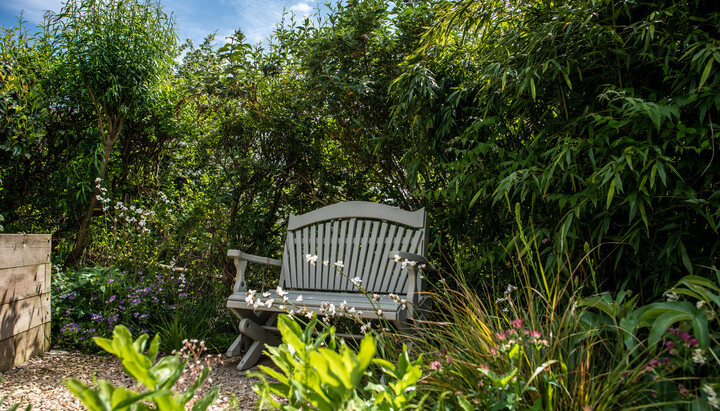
(359, 234)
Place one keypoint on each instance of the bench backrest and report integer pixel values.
(361, 235)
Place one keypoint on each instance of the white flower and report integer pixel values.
(266, 294)
(309, 315)
(279, 291)
(708, 389)
(258, 303)
(398, 258)
(250, 296)
(714, 402)
(339, 264)
(326, 262)
(698, 357)
(378, 312)
(269, 303)
(364, 328)
(376, 297)
(356, 281)
(672, 297)
(700, 304)
(299, 298)
(343, 305)
(312, 259)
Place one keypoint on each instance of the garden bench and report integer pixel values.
(363, 240)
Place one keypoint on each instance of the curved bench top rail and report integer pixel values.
(359, 209)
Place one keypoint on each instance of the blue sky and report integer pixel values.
(194, 19)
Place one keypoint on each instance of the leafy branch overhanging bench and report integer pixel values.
(365, 239)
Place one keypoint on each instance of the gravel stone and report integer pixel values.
(39, 381)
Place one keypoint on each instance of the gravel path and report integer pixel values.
(40, 381)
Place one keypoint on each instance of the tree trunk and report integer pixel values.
(81, 239)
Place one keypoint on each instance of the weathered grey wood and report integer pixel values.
(361, 235)
(359, 209)
(398, 278)
(21, 347)
(19, 250)
(18, 283)
(309, 280)
(241, 259)
(22, 315)
(24, 297)
(390, 268)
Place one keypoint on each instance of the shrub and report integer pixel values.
(324, 373)
(160, 379)
(91, 301)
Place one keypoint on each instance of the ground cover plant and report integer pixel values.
(90, 302)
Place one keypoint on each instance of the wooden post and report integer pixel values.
(24, 297)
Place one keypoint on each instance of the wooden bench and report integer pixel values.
(368, 241)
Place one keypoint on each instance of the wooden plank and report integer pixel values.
(20, 316)
(359, 209)
(19, 250)
(399, 277)
(309, 279)
(380, 261)
(369, 231)
(20, 348)
(389, 271)
(326, 238)
(18, 283)
(297, 257)
(305, 265)
(340, 253)
(286, 269)
(354, 252)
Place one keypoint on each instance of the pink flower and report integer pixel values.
(500, 335)
(535, 334)
(685, 336)
(517, 323)
(436, 365)
(669, 344)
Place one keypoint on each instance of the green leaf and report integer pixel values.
(705, 73)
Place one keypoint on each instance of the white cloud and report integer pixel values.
(302, 9)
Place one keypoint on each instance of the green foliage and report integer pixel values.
(598, 117)
(321, 373)
(158, 378)
(91, 301)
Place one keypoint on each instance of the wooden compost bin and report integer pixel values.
(24, 297)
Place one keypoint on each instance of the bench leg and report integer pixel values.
(252, 355)
(252, 331)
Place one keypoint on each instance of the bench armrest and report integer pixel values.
(414, 281)
(241, 260)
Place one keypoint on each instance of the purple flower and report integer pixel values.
(112, 298)
(110, 280)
